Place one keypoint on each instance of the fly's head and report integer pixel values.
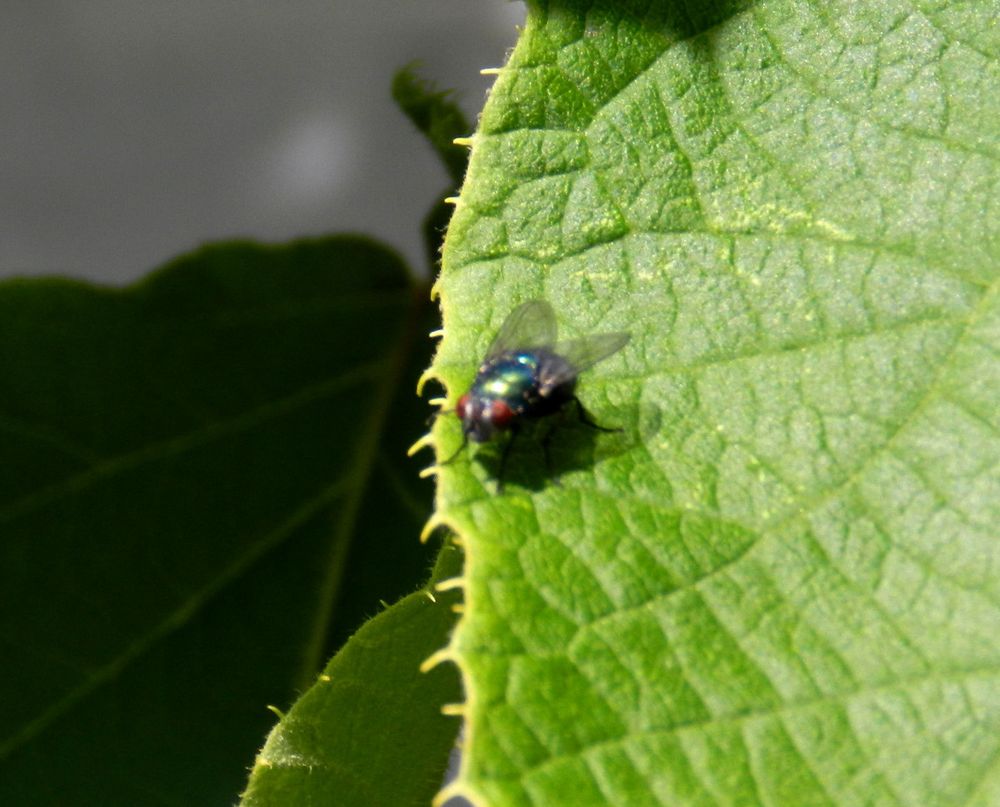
(483, 417)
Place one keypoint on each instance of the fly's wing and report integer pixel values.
(579, 354)
(531, 324)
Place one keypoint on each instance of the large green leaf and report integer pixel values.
(781, 584)
(203, 493)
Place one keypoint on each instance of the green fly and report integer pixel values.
(527, 375)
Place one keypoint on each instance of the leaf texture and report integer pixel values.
(781, 585)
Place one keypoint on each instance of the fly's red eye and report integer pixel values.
(500, 414)
(461, 406)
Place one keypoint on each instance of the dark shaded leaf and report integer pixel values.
(186, 465)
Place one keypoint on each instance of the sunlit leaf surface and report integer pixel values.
(781, 584)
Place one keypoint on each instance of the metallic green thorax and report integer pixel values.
(511, 377)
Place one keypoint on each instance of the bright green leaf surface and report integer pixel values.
(781, 585)
(370, 732)
(190, 465)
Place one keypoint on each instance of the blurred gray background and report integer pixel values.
(133, 131)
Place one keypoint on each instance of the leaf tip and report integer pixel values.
(432, 524)
(446, 794)
(425, 376)
(450, 584)
(423, 442)
(440, 657)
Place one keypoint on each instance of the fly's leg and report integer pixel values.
(453, 457)
(514, 431)
(587, 420)
(433, 416)
(546, 442)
